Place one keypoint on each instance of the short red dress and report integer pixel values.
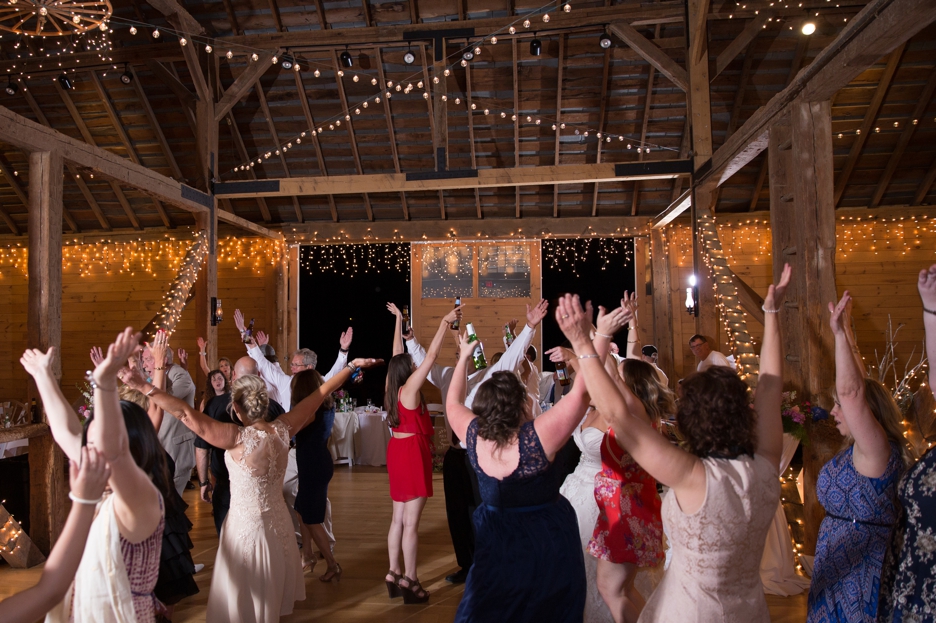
(629, 527)
(409, 460)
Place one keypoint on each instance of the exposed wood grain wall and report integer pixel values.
(96, 307)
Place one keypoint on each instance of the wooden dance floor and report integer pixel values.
(361, 513)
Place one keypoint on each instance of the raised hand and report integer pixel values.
(183, 357)
(611, 322)
(559, 353)
(37, 362)
(776, 292)
(574, 320)
(841, 314)
(927, 287)
(630, 302)
(393, 309)
(465, 348)
(131, 374)
(345, 340)
(202, 345)
(88, 477)
(409, 334)
(159, 347)
(96, 355)
(362, 362)
(512, 325)
(537, 313)
(262, 338)
(453, 314)
(239, 321)
(117, 354)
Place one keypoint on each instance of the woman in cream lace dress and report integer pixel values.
(257, 576)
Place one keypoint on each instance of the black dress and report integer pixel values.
(528, 563)
(314, 466)
(176, 567)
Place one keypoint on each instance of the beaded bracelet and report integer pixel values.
(150, 392)
(90, 379)
(770, 311)
(78, 500)
(609, 337)
(588, 356)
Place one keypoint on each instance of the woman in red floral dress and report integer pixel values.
(629, 532)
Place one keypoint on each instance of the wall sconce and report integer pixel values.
(692, 297)
(217, 314)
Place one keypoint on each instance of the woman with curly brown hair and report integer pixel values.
(528, 563)
(724, 485)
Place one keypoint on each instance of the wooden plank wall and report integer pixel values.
(95, 307)
(878, 256)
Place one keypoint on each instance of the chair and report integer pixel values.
(341, 441)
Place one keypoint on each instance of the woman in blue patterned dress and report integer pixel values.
(857, 488)
(909, 574)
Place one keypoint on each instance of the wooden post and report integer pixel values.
(206, 287)
(292, 300)
(48, 505)
(662, 303)
(439, 107)
(700, 107)
(802, 221)
(707, 320)
(280, 283)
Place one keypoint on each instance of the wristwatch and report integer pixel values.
(204, 483)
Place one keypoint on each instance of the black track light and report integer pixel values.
(65, 82)
(409, 58)
(604, 41)
(11, 88)
(346, 59)
(126, 77)
(536, 46)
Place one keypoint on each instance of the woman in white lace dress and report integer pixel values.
(257, 575)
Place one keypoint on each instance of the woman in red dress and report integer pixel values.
(409, 462)
(629, 532)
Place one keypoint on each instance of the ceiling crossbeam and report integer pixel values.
(350, 127)
(651, 53)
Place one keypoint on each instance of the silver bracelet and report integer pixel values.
(150, 392)
(770, 311)
(78, 500)
(588, 356)
(203, 354)
(609, 337)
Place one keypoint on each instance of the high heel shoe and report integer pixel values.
(332, 574)
(308, 565)
(393, 588)
(413, 592)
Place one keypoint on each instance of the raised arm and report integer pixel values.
(459, 416)
(87, 485)
(397, 329)
(203, 356)
(767, 398)
(219, 434)
(409, 395)
(872, 451)
(63, 421)
(137, 504)
(670, 465)
(344, 343)
(304, 412)
(556, 425)
(629, 302)
(158, 348)
(927, 287)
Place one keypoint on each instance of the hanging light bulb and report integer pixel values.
(255, 57)
(567, 8)
(808, 28)
(546, 18)
(156, 34)
(355, 78)
(373, 81)
(341, 73)
(493, 40)
(133, 29)
(229, 55)
(208, 50)
(458, 100)
(317, 73)
(409, 58)
(447, 72)
(435, 80)
(346, 59)
(526, 23)
(183, 42)
(464, 63)
(477, 51)
(419, 84)
(503, 115)
(473, 106)
(604, 41)
(512, 30)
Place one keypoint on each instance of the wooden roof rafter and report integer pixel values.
(602, 113)
(243, 83)
(11, 180)
(556, 144)
(742, 41)
(471, 137)
(264, 106)
(516, 108)
(242, 150)
(645, 120)
(391, 133)
(307, 111)
(651, 53)
(349, 126)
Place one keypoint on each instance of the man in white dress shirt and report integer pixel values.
(706, 356)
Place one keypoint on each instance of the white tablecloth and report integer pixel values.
(371, 438)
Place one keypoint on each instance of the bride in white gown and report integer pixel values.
(579, 489)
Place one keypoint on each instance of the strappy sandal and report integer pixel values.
(413, 593)
(393, 588)
(332, 574)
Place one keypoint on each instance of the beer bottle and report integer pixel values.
(456, 324)
(508, 336)
(480, 363)
(406, 320)
(562, 373)
(248, 332)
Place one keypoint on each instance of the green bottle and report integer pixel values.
(480, 363)
(508, 336)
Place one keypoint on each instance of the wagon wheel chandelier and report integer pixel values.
(54, 18)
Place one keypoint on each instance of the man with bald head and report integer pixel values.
(211, 459)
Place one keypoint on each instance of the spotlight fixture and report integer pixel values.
(11, 88)
(346, 59)
(287, 64)
(808, 28)
(536, 46)
(468, 55)
(65, 82)
(604, 41)
(409, 58)
(126, 77)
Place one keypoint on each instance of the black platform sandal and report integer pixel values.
(413, 592)
(393, 588)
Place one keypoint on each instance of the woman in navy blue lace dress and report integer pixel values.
(909, 573)
(857, 488)
(528, 563)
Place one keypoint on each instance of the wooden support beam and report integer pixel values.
(662, 303)
(700, 107)
(11, 180)
(925, 186)
(86, 134)
(275, 13)
(482, 178)
(750, 300)
(265, 108)
(471, 136)
(206, 287)
(168, 78)
(156, 127)
(602, 112)
(674, 211)
(350, 128)
(644, 122)
(44, 330)
(232, 17)
(706, 323)
(742, 41)
(125, 139)
(910, 126)
(867, 125)
(307, 111)
(323, 21)
(10, 223)
(683, 154)
(738, 103)
(651, 53)
(877, 30)
(437, 108)
(242, 85)
(176, 13)
(556, 146)
(242, 150)
(516, 123)
(494, 228)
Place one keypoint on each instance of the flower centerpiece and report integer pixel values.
(85, 409)
(342, 400)
(796, 414)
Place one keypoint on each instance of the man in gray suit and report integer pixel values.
(174, 436)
